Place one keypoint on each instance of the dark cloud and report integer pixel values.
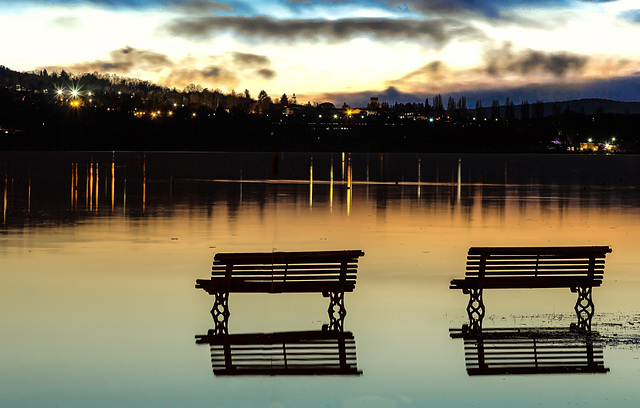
(249, 60)
(228, 70)
(203, 6)
(212, 71)
(631, 15)
(434, 31)
(505, 60)
(210, 76)
(434, 70)
(266, 73)
(124, 60)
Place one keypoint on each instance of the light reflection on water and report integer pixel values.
(99, 306)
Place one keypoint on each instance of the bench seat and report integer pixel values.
(279, 272)
(578, 268)
(331, 273)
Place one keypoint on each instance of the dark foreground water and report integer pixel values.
(100, 253)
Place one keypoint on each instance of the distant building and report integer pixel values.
(373, 103)
(588, 147)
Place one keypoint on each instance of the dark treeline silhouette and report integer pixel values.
(62, 111)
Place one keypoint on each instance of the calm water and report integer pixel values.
(100, 253)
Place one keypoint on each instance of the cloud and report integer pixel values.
(124, 60)
(203, 6)
(244, 59)
(266, 73)
(212, 76)
(631, 15)
(434, 31)
(433, 71)
(505, 60)
(226, 70)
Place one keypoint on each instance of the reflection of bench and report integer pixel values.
(289, 353)
(329, 272)
(530, 351)
(577, 268)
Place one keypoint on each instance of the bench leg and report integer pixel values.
(337, 311)
(220, 312)
(475, 308)
(584, 308)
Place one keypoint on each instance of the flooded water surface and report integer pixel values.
(101, 253)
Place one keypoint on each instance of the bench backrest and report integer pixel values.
(299, 269)
(569, 262)
(288, 353)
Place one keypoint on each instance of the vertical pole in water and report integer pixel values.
(74, 196)
(124, 194)
(113, 181)
(144, 183)
(368, 177)
(97, 186)
(311, 183)
(419, 176)
(86, 193)
(4, 202)
(458, 192)
(29, 194)
(71, 196)
(331, 185)
(349, 176)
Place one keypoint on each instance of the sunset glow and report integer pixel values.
(334, 50)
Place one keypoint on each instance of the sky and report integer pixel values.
(340, 51)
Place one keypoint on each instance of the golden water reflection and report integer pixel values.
(115, 283)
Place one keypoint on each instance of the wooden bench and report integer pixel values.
(504, 351)
(576, 268)
(331, 273)
(288, 353)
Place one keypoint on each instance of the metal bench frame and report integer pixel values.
(331, 273)
(577, 268)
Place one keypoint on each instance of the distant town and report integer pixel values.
(61, 111)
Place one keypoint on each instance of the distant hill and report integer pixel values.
(592, 105)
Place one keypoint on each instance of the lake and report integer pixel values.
(100, 254)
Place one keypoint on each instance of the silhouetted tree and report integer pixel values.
(510, 113)
(524, 111)
(438, 108)
(451, 106)
(495, 109)
(462, 106)
(479, 110)
(538, 108)
(284, 101)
